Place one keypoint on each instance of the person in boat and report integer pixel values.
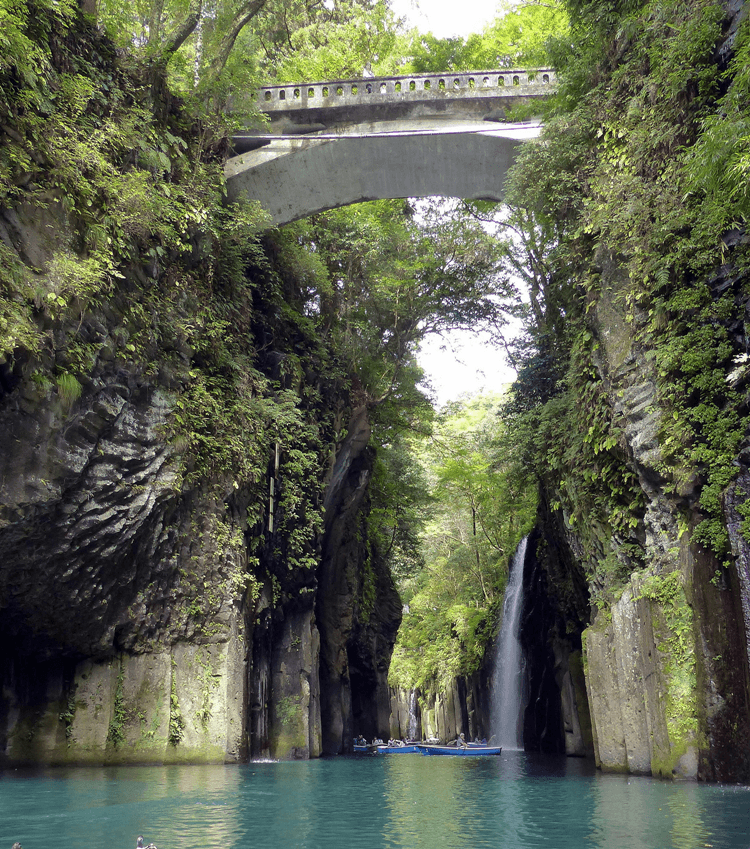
(461, 741)
(139, 843)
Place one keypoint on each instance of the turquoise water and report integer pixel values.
(410, 801)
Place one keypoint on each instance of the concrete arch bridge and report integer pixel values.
(330, 144)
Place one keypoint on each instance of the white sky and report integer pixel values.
(468, 365)
(447, 18)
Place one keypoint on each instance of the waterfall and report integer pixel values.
(413, 715)
(507, 717)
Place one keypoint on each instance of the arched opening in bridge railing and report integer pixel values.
(412, 86)
(340, 90)
(325, 91)
(471, 82)
(501, 82)
(516, 80)
(311, 92)
(382, 88)
(456, 83)
(397, 87)
(427, 85)
(441, 85)
(282, 95)
(531, 77)
(296, 94)
(545, 78)
(486, 82)
(267, 95)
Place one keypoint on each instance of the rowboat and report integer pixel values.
(398, 750)
(467, 751)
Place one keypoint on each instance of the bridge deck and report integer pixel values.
(390, 98)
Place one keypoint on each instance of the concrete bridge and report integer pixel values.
(330, 144)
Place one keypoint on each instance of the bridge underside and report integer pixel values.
(296, 177)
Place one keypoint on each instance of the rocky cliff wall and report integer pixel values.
(555, 612)
(666, 663)
(134, 628)
(463, 709)
(358, 608)
(168, 449)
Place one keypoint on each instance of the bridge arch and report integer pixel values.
(317, 174)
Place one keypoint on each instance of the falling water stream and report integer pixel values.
(413, 726)
(507, 725)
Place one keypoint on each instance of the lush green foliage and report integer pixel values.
(483, 504)
(365, 37)
(719, 164)
(215, 53)
(399, 507)
(377, 279)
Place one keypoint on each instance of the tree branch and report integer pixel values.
(182, 31)
(242, 19)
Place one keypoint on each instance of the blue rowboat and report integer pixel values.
(367, 749)
(467, 751)
(398, 750)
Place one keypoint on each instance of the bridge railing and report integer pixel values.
(279, 98)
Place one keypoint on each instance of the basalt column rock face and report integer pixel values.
(358, 610)
(463, 709)
(666, 666)
(283, 673)
(406, 715)
(664, 651)
(122, 630)
(378, 615)
(556, 716)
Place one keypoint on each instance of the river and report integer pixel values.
(411, 801)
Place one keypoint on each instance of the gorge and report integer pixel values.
(191, 423)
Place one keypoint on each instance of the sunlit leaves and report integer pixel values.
(719, 164)
(341, 48)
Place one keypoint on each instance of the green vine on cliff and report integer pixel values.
(68, 715)
(578, 450)
(369, 590)
(676, 643)
(176, 721)
(706, 428)
(116, 730)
